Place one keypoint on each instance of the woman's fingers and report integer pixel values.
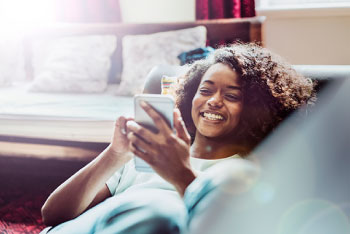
(139, 142)
(119, 142)
(120, 124)
(139, 153)
(140, 147)
(144, 133)
(180, 127)
(157, 118)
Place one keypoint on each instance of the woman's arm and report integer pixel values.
(87, 187)
(167, 152)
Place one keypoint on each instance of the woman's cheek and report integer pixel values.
(236, 113)
(195, 108)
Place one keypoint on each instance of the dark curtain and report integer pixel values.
(88, 11)
(219, 9)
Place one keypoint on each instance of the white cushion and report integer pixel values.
(73, 64)
(11, 61)
(142, 52)
(214, 197)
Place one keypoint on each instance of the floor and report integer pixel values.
(25, 185)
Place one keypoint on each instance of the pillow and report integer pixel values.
(12, 61)
(142, 52)
(169, 84)
(73, 64)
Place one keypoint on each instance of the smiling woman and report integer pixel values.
(217, 105)
(246, 90)
(229, 102)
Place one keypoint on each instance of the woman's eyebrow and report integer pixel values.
(229, 86)
(234, 87)
(209, 82)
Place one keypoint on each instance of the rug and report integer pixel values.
(25, 185)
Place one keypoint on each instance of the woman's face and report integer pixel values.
(217, 104)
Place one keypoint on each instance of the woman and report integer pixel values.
(229, 102)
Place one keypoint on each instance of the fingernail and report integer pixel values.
(143, 103)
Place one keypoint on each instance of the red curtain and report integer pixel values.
(219, 9)
(88, 11)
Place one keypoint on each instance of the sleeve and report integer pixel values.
(113, 182)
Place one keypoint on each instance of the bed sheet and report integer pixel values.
(17, 102)
(28, 116)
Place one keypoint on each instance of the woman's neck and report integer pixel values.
(212, 148)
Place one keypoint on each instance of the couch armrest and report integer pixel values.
(324, 72)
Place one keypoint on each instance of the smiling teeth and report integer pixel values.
(211, 116)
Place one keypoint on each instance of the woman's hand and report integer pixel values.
(166, 152)
(87, 187)
(119, 146)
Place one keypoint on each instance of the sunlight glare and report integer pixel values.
(18, 16)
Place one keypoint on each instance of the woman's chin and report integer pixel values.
(215, 133)
(208, 133)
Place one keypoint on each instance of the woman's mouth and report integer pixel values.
(212, 116)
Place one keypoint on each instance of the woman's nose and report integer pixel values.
(215, 101)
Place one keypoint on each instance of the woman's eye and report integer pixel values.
(232, 97)
(205, 91)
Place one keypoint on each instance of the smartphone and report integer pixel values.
(164, 105)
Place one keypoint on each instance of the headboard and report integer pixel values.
(218, 31)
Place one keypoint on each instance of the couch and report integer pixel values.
(296, 181)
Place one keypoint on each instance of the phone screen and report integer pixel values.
(164, 105)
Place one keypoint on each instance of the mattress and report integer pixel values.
(19, 103)
(61, 116)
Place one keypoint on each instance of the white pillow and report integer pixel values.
(73, 64)
(11, 61)
(142, 52)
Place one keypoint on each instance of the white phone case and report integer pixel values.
(164, 104)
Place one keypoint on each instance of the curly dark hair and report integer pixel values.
(271, 89)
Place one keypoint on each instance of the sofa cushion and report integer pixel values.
(211, 198)
(12, 61)
(73, 64)
(142, 52)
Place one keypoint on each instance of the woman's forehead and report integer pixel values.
(220, 73)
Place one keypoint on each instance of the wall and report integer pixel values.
(147, 11)
(318, 36)
(311, 36)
